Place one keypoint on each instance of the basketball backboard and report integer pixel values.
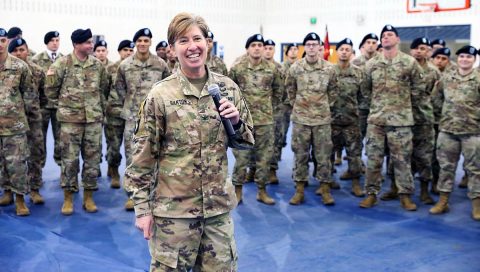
(437, 5)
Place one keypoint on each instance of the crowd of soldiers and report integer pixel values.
(420, 110)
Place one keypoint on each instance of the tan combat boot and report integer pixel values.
(299, 196)
(273, 176)
(238, 193)
(338, 158)
(88, 203)
(36, 197)
(407, 203)
(115, 182)
(392, 194)
(262, 196)
(464, 182)
(327, 198)
(346, 175)
(7, 198)
(250, 177)
(356, 188)
(476, 208)
(20, 208)
(369, 201)
(67, 207)
(442, 205)
(129, 205)
(334, 185)
(424, 196)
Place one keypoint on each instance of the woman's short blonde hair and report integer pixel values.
(182, 22)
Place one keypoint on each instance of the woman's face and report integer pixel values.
(191, 51)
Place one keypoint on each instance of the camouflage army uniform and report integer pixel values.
(179, 174)
(49, 114)
(287, 108)
(278, 117)
(216, 65)
(311, 92)
(459, 97)
(262, 86)
(19, 106)
(76, 89)
(133, 81)
(345, 123)
(391, 84)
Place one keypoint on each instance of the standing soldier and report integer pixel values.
(459, 94)
(441, 59)
(19, 106)
(162, 49)
(291, 53)
(75, 86)
(261, 85)
(391, 78)
(19, 49)
(214, 63)
(310, 83)
(114, 124)
(49, 115)
(100, 51)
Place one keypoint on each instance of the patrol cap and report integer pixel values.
(419, 41)
(50, 35)
(16, 43)
(367, 37)
(254, 38)
(442, 51)
(440, 42)
(142, 32)
(389, 28)
(210, 35)
(125, 43)
(81, 35)
(467, 49)
(162, 44)
(289, 46)
(14, 32)
(312, 36)
(100, 43)
(343, 42)
(3, 32)
(269, 42)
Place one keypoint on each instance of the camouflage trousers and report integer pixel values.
(348, 136)
(449, 147)
(200, 244)
(50, 115)
(261, 153)
(128, 134)
(87, 139)
(36, 161)
(435, 164)
(362, 118)
(286, 123)
(423, 149)
(114, 136)
(399, 141)
(277, 145)
(316, 140)
(13, 163)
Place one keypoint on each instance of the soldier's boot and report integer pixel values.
(424, 195)
(442, 205)
(407, 203)
(369, 201)
(238, 193)
(464, 182)
(88, 202)
(67, 207)
(129, 205)
(115, 176)
(36, 197)
(299, 196)
(334, 185)
(273, 176)
(20, 208)
(392, 194)
(7, 198)
(356, 188)
(347, 175)
(250, 177)
(262, 196)
(327, 198)
(476, 208)
(338, 158)
(434, 189)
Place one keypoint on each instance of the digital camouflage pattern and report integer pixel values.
(43, 60)
(14, 169)
(361, 62)
(179, 165)
(279, 123)
(216, 65)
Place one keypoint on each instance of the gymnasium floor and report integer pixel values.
(310, 237)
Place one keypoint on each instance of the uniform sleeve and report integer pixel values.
(362, 96)
(53, 84)
(367, 84)
(291, 86)
(418, 83)
(332, 88)
(117, 94)
(437, 99)
(166, 72)
(246, 130)
(104, 87)
(278, 89)
(30, 97)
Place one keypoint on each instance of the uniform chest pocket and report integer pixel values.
(182, 126)
(11, 83)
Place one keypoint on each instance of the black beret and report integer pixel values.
(312, 36)
(3, 32)
(81, 36)
(440, 42)
(269, 42)
(210, 35)
(442, 51)
(14, 32)
(100, 43)
(289, 46)
(419, 41)
(344, 41)
(467, 49)
(368, 36)
(254, 38)
(15, 43)
(379, 46)
(162, 44)
(142, 32)
(50, 35)
(389, 28)
(125, 43)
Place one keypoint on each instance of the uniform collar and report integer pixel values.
(189, 90)
(148, 62)
(88, 62)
